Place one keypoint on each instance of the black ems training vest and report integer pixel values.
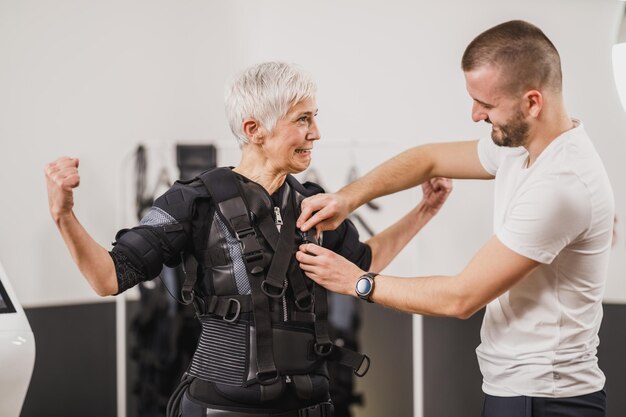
(264, 323)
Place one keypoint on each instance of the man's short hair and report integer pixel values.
(265, 92)
(526, 57)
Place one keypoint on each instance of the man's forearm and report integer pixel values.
(432, 296)
(490, 273)
(408, 169)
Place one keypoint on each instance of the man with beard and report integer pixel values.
(542, 274)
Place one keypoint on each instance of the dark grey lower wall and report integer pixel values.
(452, 380)
(387, 338)
(611, 354)
(74, 373)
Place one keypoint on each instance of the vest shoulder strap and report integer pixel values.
(307, 189)
(231, 205)
(223, 188)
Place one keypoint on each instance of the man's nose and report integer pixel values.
(478, 113)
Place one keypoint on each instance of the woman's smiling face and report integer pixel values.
(289, 147)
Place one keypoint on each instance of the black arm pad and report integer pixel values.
(140, 245)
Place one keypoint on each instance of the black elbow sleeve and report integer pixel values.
(128, 274)
(140, 247)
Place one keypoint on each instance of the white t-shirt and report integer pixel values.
(540, 338)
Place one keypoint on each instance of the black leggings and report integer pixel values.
(589, 405)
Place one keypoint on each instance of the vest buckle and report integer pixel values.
(270, 294)
(235, 316)
(267, 377)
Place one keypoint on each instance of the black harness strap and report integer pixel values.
(303, 297)
(228, 307)
(283, 255)
(268, 229)
(359, 362)
(267, 373)
(302, 316)
(323, 344)
(274, 286)
(224, 188)
(325, 347)
(268, 282)
(238, 219)
(190, 268)
(264, 220)
(284, 265)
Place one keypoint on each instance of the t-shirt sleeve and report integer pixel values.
(490, 155)
(345, 241)
(546, 217)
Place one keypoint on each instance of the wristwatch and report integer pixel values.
(365, 286)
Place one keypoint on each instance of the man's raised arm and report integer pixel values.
(408, 169)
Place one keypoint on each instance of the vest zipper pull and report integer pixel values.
(279, 218)
(279, 224)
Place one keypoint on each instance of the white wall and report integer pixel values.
(92, 79)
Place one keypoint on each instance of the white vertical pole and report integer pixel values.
(120, 333)
(418, 367)
(120, 300)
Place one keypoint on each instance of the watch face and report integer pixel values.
(363, 286)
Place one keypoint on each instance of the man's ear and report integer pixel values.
(533, 101)
(253, 130)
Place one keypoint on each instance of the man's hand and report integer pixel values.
(328, 269)
(61, 178)
(436, 192)
(324, 211)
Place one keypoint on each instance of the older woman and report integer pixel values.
(264, 342)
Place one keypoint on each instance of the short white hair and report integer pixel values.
(265, 92)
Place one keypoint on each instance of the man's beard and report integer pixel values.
(513, 133)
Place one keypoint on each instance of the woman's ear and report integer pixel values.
(253, 130)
